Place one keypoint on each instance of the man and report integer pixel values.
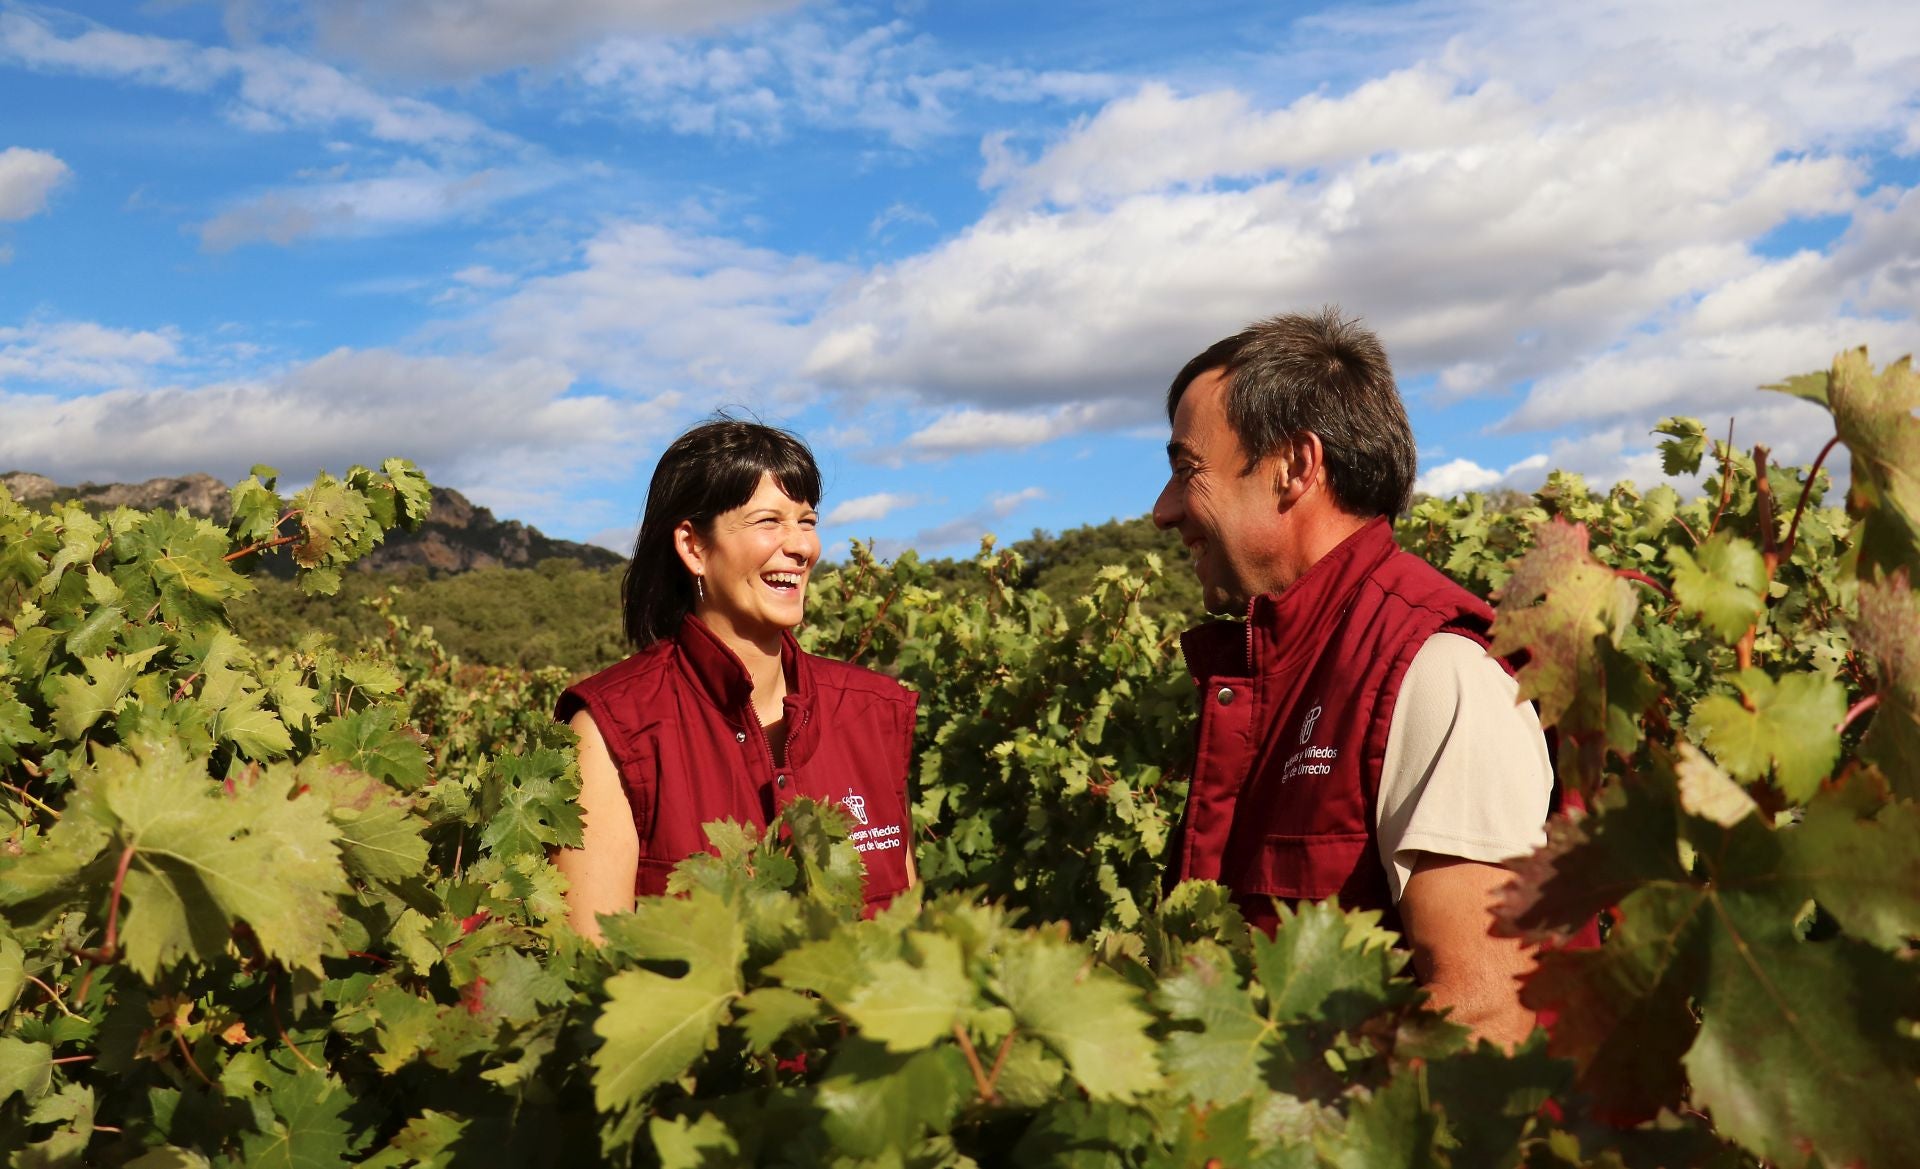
(1355, 738)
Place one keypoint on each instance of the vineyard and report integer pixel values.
(293, 906)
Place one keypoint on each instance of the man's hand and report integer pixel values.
(1447, 911)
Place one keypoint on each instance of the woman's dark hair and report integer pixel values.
(713, 468)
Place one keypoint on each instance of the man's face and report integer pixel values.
(1229, 522)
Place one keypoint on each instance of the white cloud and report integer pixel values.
(502, 426)
(1561, 204)
(413, 195)
(828, 72)
(83, 353)
(1463, 475)
(647, 306)
(961, 431)
(466, 38)
(273, 88)
(868, 508)
(1006, 504)
(27, 177)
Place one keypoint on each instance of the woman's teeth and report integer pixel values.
(782, 580)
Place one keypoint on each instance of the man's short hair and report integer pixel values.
(1317, 373)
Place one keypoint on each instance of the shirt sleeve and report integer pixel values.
(1466, 772)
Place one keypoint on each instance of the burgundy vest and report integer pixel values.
(1295, 706)
(678, 720)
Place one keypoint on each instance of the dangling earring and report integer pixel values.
(699, 589)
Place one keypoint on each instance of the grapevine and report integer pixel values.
(294, 904)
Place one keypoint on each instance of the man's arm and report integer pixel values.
(1447, 911)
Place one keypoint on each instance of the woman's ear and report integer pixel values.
(692, 550)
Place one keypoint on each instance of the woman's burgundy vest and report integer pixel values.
(678, 720)
(1295, 706)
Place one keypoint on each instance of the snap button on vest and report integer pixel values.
(739, 736)
(1225, 696)
(779, 781)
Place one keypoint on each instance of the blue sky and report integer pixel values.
(960, 248)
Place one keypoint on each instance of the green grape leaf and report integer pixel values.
(1792, 729)
(301, 1123)
(653, 1025)
(379, 836)
(255, 732)
(518, 986)
(909, 1006)
(539, 803)
(334, 524)
(1324, 964)
(1793, 1045)
(410, 487)
(1681, 453)
(97, 632)
(878, 1101)
(1875, 417)
(17, 727)
(1557, 606)
(1810, 386)
(203, 857)
(1887, 631)
(372, 741)
(26, 1069)
(1390, 1126)
(13, 971)
(256, 511)
(769, 1012)
(1723, 582)
(1220, 1062)
(1084, 1013)
(426, 1141)
(692, 1142)
(78, 704)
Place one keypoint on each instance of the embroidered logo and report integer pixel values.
(1306, 724)
(856, 806)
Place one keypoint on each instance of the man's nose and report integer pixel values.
(1167, 511)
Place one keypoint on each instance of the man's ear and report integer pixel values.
(692, 550)
(1300, 465)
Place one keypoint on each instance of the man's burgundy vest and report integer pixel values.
(678, 720)
(1295, 706)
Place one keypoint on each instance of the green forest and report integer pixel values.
(565, 614)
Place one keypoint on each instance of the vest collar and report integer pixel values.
(721, 675)
(1286, 628)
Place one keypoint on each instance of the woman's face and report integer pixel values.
(754, 563)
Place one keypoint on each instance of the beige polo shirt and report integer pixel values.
(1466, 772)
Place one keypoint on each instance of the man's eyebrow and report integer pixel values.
(1177, 450)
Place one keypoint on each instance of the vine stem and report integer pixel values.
(54, 996)
(110, 949)
(1806, 492)
(262, 546)
(273, 1005)
(980, 1079)
(879, 615)
(28, 796)
(1763, 497)
(1856, 710)
(1726, 480)
(1639, 577)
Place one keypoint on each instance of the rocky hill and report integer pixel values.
(458, 536)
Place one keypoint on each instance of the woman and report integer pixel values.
(719, 715)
